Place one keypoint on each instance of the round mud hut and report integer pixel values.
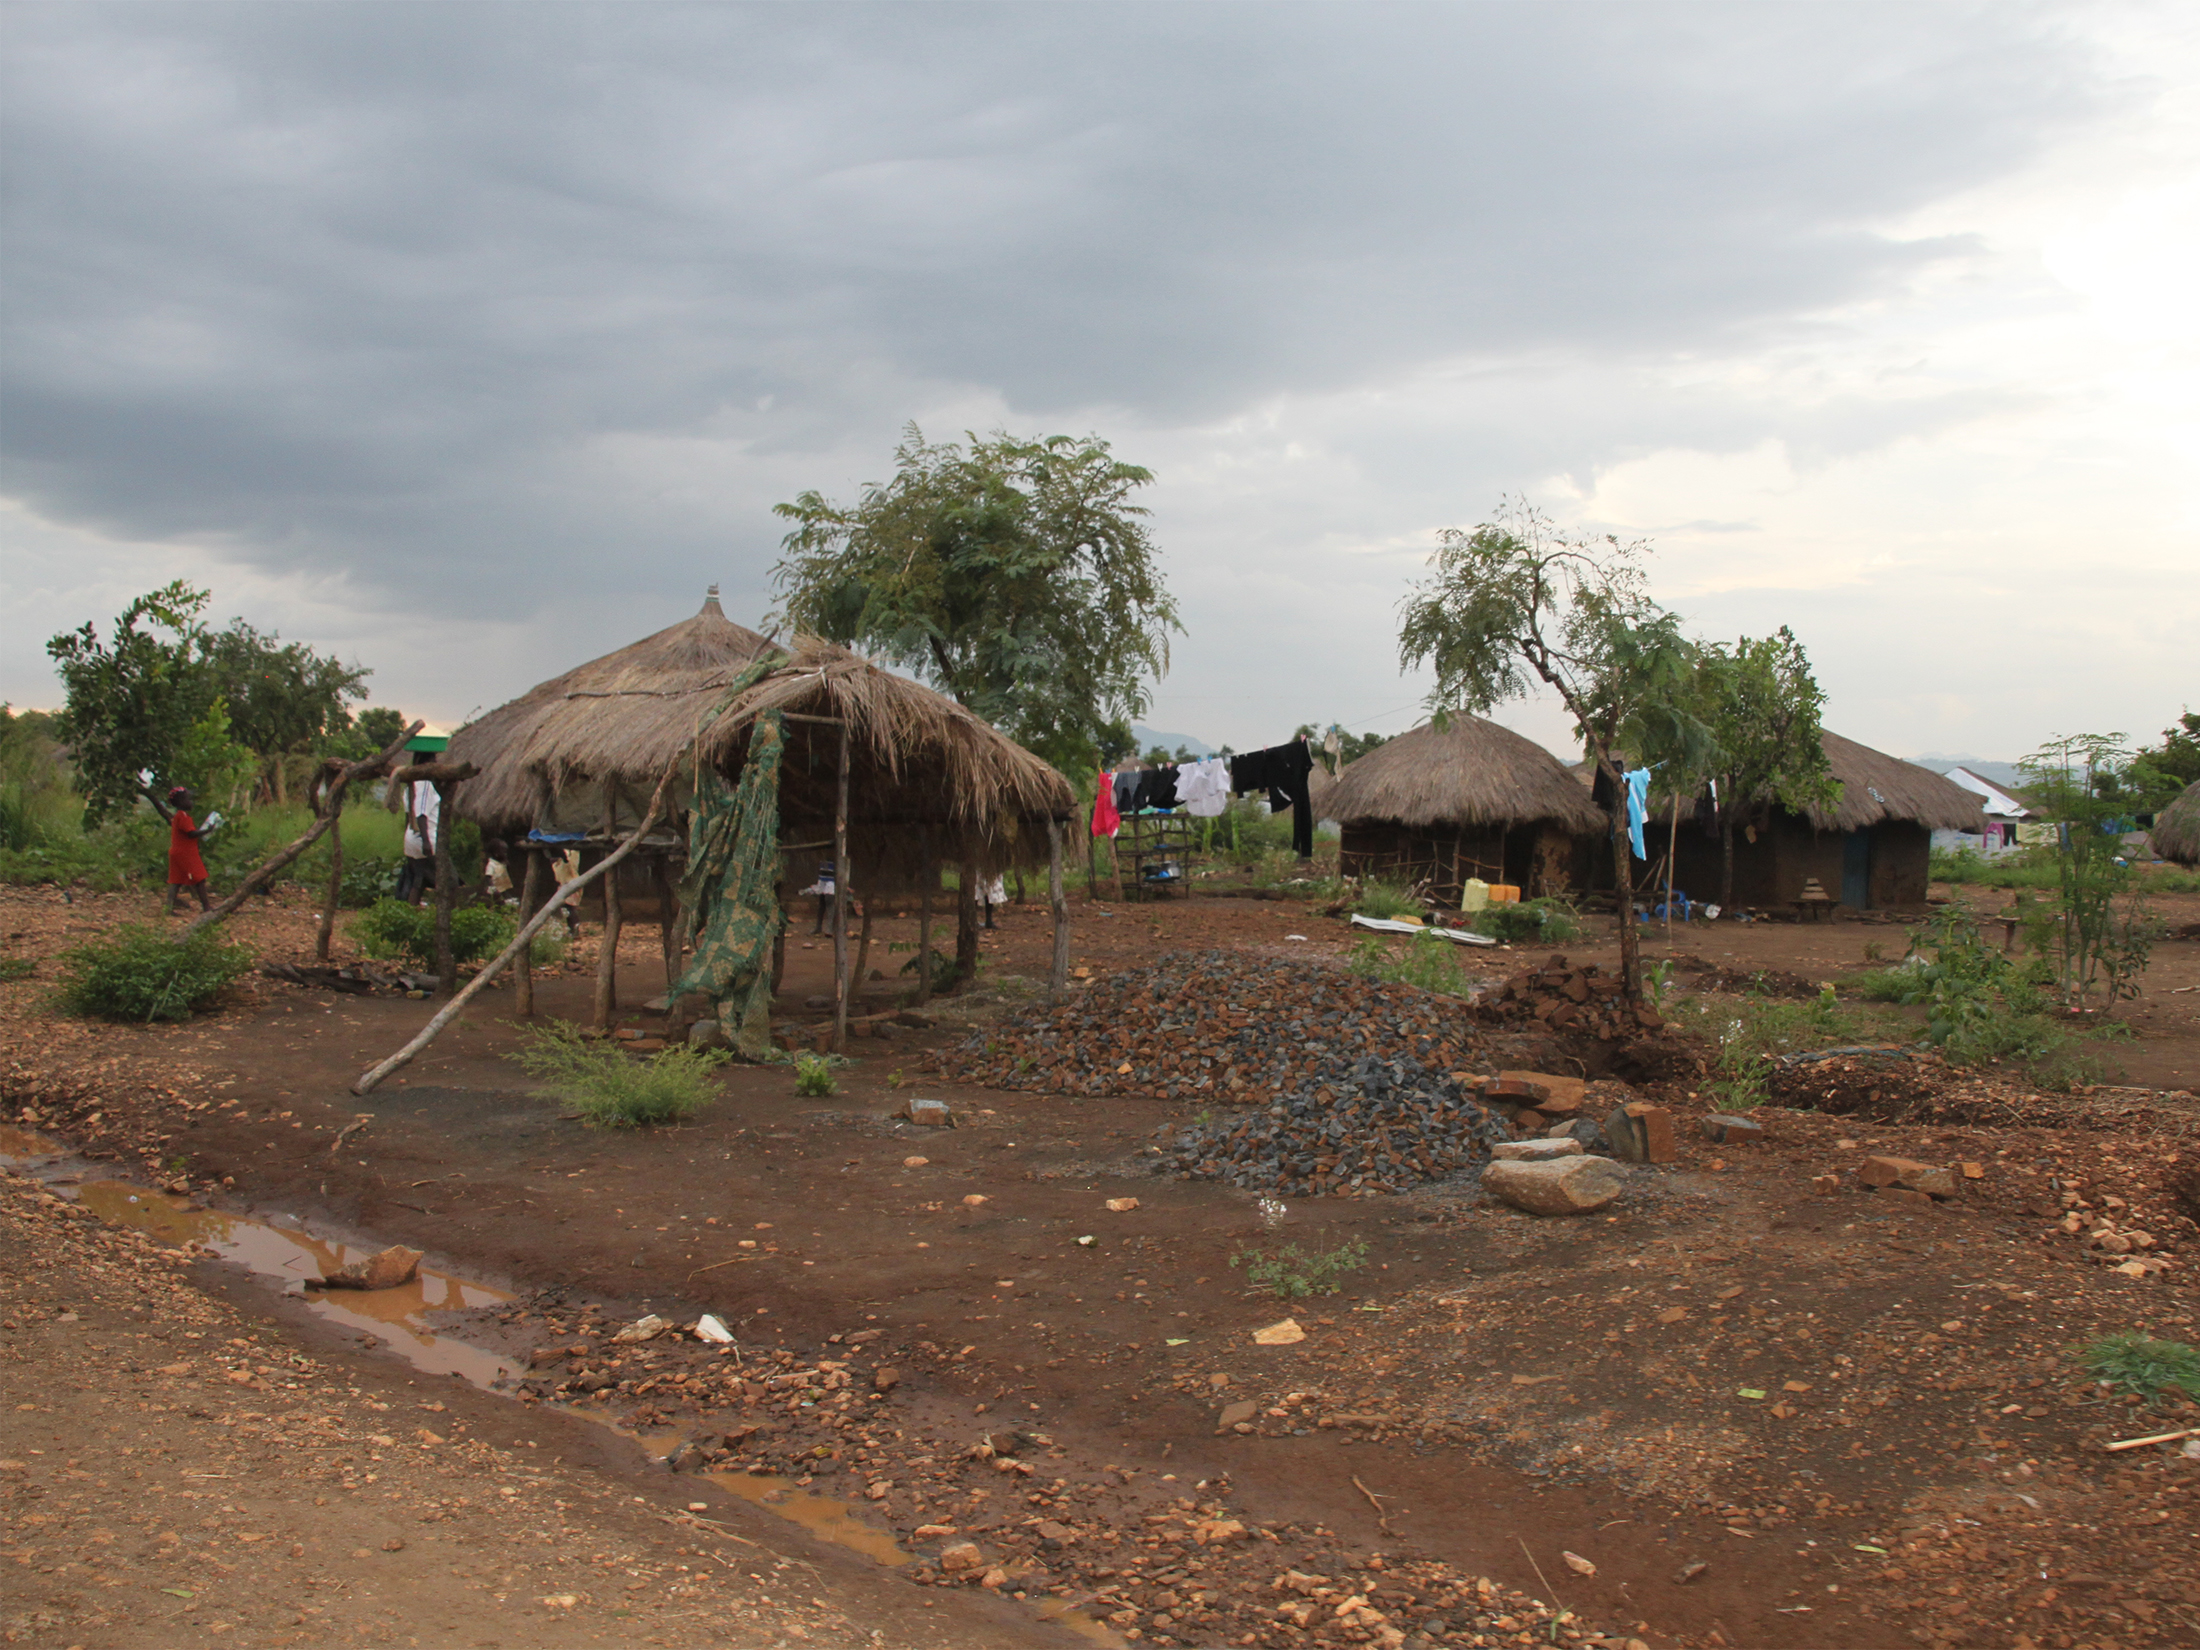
(1472, 800)
(2176, 833)
(872, 772)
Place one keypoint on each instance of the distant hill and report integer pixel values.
(1149, 737)
(2001, 773)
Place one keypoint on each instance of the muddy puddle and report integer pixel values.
(281, 1248)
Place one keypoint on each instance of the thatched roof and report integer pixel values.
(2176, 833)
(636, 681)
(927, 778)
(1472, 773)
(1876, 787)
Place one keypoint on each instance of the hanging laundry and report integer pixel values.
(1160, 790)
(1204, 787)
(1126, 790)
(1105, 820)
(1638, 807)
(1281, 771)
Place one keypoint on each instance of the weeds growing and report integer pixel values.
(813, 1076)
(1545, 921)
(144, 974)
(1292, 1273)
(1424, 961)
(612, 1090)
(2141, 1366)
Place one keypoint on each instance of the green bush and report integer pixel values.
(1292, 1273)
(813, 1075)
(1424, 962)
(144, 974)
(1533, 922)
(2136, 1364)
(394, 931)
(613, 1090)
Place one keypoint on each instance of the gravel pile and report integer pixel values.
(1355, 1129)
(1221, 1026)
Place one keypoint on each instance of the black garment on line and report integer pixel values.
(1281, 771)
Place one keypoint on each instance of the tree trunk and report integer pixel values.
(607, 959)
(1623, 891)
(1058, 901)
(928, 885)
(966, 921)
(669, 925)
(1726, 863)
(842, 881)
(446, 891)
(530, 901)
(327, 927)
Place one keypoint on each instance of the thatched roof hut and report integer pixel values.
(1473, 801)
(1473, 773)
(1877, 788)
(929, 781)
(2176, 833)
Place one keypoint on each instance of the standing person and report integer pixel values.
(186, 868)
(826, 885)
(991, 894)
(423, 807)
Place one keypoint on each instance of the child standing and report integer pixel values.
(186, 868)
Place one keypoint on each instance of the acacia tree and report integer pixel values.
(1515, 603)
(135, 701)
(1015, 575)
(1761, 705)
(286, 702)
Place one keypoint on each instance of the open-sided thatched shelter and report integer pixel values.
(573, 763)
(1475, 800)
(2176, 833)
(1871, 851)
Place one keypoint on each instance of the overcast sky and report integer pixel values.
(470, 340)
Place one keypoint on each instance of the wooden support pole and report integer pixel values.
(1672, 852)
(609, 864)
(668, 917)
(326, 929)
(446, 891)
(326, 823)
(530, 901)
(840, 902)
(607, 959)
(862, 969)
(1058, 899)
(928, 884)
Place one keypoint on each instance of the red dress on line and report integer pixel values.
(184, 864)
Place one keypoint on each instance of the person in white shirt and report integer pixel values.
(423, 807)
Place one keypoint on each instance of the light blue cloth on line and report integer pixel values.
(1638, 808)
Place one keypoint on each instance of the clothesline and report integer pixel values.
(1203, 789)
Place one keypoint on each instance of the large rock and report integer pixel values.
(707, 1034)
(393, 1266)
(1535, 1151)
(1909, 1174)
(1642, 1133)
(1561, 1186)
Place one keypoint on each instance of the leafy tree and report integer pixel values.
(285, 701)
(2159, 774)
(2101, 930)
(132, 701)
(1515, 603)
(1016, 575)
(1761, 706)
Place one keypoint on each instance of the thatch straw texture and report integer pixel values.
(2176, 833)
(1472, 773)
(1876, 787)
(929, 781)
(635, 683)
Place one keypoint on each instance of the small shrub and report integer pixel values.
(16, 968)
(1536, 922)
(2137, 1364)
(1292, 1273)
(813, 1076)
(612, 1090)
(392, 930)
(144, 974)
(1386, 901)
(1424, 962)
(367, 880)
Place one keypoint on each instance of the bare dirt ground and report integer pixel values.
(1491, 1393)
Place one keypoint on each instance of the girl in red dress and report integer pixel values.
(185, 868)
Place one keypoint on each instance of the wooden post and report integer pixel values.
(530, 901)
(607, 959)
(446, 891)
(668, 918)
(1672, 850)
(1058, 899)
(840, 902)
(861, 971)
(928, 884)
(327, 928)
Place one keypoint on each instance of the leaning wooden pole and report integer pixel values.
(1058, 899)
(261, 877)
(434, 1028)
(325, 930)
(840, 902)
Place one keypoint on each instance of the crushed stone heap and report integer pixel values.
(1215, 1025)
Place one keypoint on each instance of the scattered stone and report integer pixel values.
(1121, 1205)
(1232, 1414)
(641, 1329)
(975, 1200)
(1286, 1333)
(1561, 1186)
(710, 1327)
(914, 1162)
(1536, 1151)
(885, 1378)
(707, 1034)
(933, 1114)
(960, 1556)
(394, 1266)
(1551, 1095)
(1689, 1572)
(1907, 1172)
(1579, 1565)
(1642, 1133)
(1731, 1131)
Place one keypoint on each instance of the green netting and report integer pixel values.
(731, 888)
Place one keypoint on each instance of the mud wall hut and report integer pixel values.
(1872, 851)
(1474, 800)
(2176, 833)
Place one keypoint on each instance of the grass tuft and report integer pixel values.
(612, 1090)
(1292, 1273)
(813, 1076)
(2136, 1364)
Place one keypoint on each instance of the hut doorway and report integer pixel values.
(1856, 870)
